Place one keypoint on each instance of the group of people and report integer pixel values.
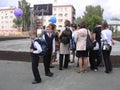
(72, 38)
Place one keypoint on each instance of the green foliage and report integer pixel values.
(91, 22)
(17, 22)
(93, 10)
(25, 6)
(92, 15)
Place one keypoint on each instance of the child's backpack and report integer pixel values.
(43, 45)
(66, 36)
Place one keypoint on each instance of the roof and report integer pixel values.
(113, 22)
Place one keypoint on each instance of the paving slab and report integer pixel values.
(18, 76)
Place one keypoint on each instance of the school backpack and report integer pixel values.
(66, 36)
(43, 45)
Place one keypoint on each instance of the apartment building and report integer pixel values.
(6, 18)
(61, 12)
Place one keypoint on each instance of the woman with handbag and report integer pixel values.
(82, 52)
(107, 41)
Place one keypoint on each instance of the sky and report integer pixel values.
(111, 7)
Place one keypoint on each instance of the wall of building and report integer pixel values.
(6, 18)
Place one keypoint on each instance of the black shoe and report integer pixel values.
(36, 82)
(107, 72)
(60, 69)
(65, 67)
(49, 74)
(52, 66)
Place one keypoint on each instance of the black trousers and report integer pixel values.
(66, 61)
(107, 61)
(46, 61)
(95, 59)
(35, 63)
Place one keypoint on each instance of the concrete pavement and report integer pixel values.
(22, 45)
(18, 76)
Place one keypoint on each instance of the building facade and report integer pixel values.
(61, 12)
(6, 18)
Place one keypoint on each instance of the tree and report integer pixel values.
(93, 10)
(25, 6)
(92, 15)
(91, 22)
(78, 20)
(17, 22)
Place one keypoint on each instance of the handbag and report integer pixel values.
(89, 43)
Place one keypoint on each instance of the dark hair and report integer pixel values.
(53, 26)
(74, 26)
(83, 24)
(98, 23)
(104, 25)
(67, 23)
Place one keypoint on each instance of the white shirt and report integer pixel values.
(38, 47)
(107, 35)
(53, 42)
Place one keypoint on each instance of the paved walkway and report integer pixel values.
(18, 76)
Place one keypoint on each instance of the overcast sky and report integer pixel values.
(111, 7)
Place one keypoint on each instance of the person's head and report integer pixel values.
(32, 34)
(74, 27)
(49, 29)
(104, 25)
(53, 26)
(83, 24)
(67, 23)
(78, 26)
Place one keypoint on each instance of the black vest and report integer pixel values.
(49, 41)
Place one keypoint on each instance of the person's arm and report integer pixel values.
(53, 45)
(113, 43)
(94, 35)
(38, 47)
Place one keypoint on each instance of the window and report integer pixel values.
(11, 11)
(6, 17)
(60, 9)
(60, 26)
(65, 9)
(54, 14)
(1, 21)
(2, 27)
(66, 15)
(60, 15)
(6, 21)
(1, 17)
(54, 9)
(60, 20)
(11, 16)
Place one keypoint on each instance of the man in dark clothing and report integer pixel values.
(96, 39)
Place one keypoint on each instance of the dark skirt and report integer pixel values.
(82, 54)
